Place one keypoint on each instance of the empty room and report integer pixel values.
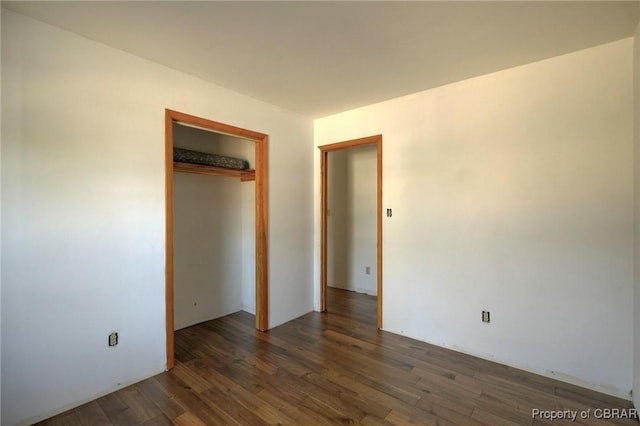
(389, 212)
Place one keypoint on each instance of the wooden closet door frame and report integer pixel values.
(324, 166)
(261, 210)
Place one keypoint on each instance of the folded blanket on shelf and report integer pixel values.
(196, 157)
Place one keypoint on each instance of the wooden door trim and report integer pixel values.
(324, 165)
(261, 212)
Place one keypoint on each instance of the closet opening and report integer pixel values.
(351, 219)
(216, 223)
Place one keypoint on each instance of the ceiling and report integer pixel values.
(319, 58)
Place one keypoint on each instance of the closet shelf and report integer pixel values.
(201, 169)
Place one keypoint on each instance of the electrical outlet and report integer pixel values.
(113, 339)
(486, 316)
(367, 270)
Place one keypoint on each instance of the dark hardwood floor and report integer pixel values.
(333, 368)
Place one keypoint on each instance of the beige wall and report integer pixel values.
(513, 192)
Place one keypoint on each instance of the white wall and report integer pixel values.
(636, 91)
(352, 231)
(512, 192)
(338, 255)
(83, 211)
(209, 241)
(362, 207)
(248, 217)
(207, 247)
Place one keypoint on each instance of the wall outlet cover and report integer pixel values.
(113, 339)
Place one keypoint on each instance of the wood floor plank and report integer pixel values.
(456, 416)
(398, 417)
(259, 407)
(112, 405)
(220, 400)
(490, 418)
(188, 419)
(371, 420)
(159, 420)
(192, 401)
(190, 377)
(446, 400)
(375, 397)
(500, 409)
(337, 398)
(92, 414)
(331, 368)
(140, 405)
(302, 409)
(156, 393)
(209, 371)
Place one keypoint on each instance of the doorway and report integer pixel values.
(324, 226)
(261, 248)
